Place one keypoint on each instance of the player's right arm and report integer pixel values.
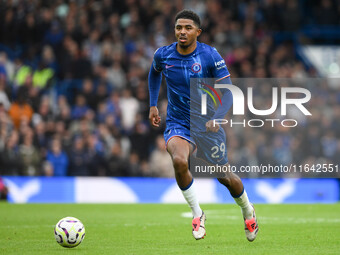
(220, 72)
(154, 117)
(155, 79)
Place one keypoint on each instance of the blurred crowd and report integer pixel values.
(74, 92)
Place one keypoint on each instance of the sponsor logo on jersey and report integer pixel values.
(168, 66)
(220, 64)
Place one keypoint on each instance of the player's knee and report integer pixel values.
(180, 164)
(226, 181)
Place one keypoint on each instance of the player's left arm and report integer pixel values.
(220, 72)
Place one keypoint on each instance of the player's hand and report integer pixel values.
(210, 127)
(154, 117)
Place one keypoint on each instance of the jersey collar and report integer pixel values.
(187, 55)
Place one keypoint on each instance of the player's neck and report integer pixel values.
(188, 50)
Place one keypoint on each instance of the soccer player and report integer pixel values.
(179, 62)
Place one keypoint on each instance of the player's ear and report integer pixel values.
(199, 31)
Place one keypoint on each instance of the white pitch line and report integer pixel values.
(225, 214)
(26, 226)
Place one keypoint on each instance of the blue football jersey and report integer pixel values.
(204, 62)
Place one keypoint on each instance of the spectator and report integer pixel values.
(42, 77)
(40, 138)
(54, 35)
(113, 109)
(291, 17)
(58, 159)
(78, 158)
(48, 59)
(11, 161)
(47, 168)
(20, 110)
(160, 160)
(29, 156)
(6, 127)
(92, 46)
(101, 112)
(102, 92)
(22, 73)
(117, 164)
(129, 107)
(326, 14)
(4, 101)
(7, 67)
(135, 166)
(80, 108)
(97, 162)
(140, 138)
(88, 93)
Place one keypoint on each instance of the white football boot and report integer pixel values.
(198, 229)
(251, 227)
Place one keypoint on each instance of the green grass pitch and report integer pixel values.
(166, 229)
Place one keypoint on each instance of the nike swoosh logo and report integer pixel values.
(167, 66)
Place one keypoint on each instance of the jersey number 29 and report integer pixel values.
(216, 151)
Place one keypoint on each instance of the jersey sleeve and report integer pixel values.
(155, 78)
(156, 63)
(218, 67)
(221, 74)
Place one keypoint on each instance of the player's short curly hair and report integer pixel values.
(188, 14)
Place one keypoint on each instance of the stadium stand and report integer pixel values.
(78, 70)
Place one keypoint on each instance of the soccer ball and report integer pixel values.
(69, 232)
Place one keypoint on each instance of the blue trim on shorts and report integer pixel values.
(176, 130)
